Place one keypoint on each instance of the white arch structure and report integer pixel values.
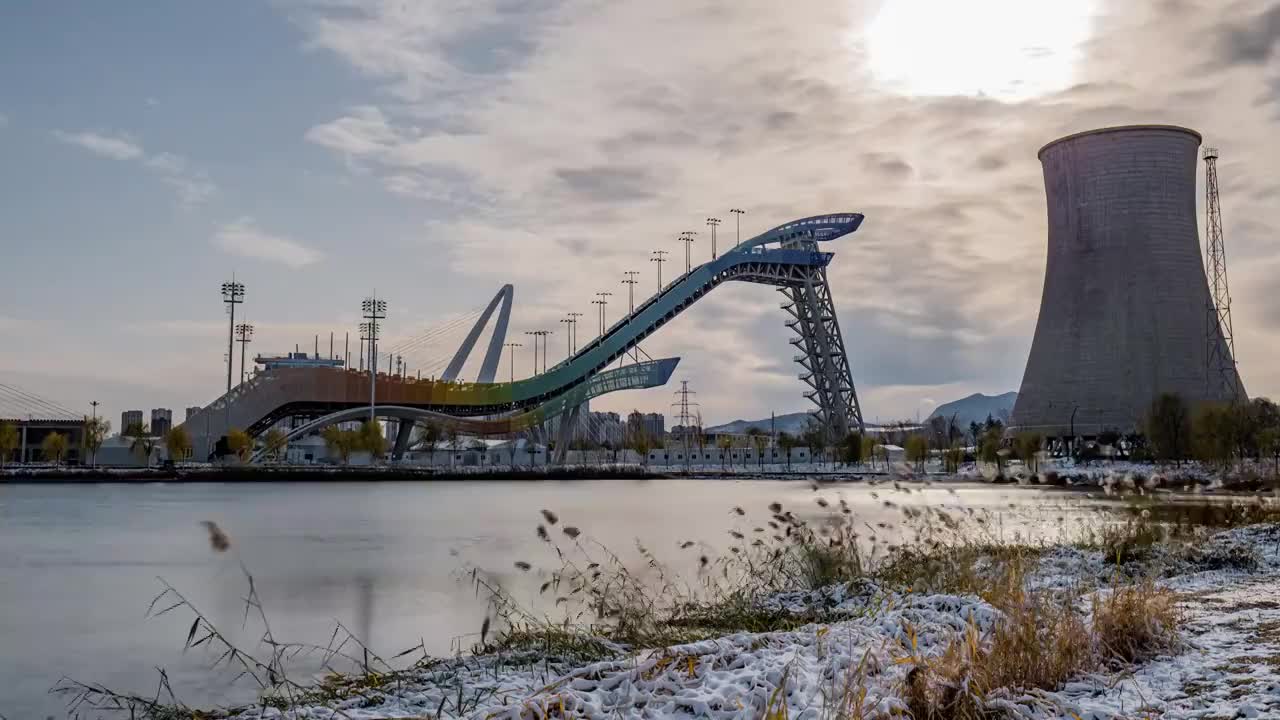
(489, 367)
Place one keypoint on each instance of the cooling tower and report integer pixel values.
(1124, 314)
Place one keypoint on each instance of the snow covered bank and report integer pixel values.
(861, 655)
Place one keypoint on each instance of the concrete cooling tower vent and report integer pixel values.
(1125, 311)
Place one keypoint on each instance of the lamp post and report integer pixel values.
(602, 302)
(568, 336)
(244, 336)
(543, 334)
(659, 256)
(512, 347)
(94, 404)
(1073, 430)
(232, 295)
(364, 338)
(630, 282)
(534, 334)
(599, 313)
(713, 223)
(373, 310)
(737, 221)
(686, 237)
(573, 330)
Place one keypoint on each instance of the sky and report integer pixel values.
(324, 150)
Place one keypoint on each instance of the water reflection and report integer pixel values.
(78, 565)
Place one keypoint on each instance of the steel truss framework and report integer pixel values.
(813, 318)
(1221, 376)
(824, 360)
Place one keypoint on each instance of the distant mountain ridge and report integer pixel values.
(791, 423)
(974, 408)
(977, 407)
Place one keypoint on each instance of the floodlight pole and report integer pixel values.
(630, 282)
(232, 295)
(244, 336)
(686, 237)
(573, 330)
(713, 223)
(373, 310)
(512, 346)
(737, 221)
(534, 335)
(542, 334)
(95, 404)
(659, 256)
(602, 302)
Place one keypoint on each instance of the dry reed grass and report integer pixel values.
(600, 606)
(1040, 642)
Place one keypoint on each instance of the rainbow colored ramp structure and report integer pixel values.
(786, 257)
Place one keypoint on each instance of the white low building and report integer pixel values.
(731, 456)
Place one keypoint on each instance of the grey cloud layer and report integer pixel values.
(598, 132)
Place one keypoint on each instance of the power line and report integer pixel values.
(435, 332)
(34, 404)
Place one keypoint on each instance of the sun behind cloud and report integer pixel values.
(1010, 50)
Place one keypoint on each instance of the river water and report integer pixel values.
(79, 564)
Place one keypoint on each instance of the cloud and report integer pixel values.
(990, 162)
(4, 120)
(607, 184)
(889, 167)
(244, 238)
(191, 190)
(177, 328)
(117, 147)
(530, 133)
(193, 187)
(363, 132)
(1253, 41)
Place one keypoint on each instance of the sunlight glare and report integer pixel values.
(1010, 50)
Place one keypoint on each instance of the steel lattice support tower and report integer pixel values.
(1220, 371)
(825, 363)
(686, 418)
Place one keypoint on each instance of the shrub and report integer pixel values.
(1028, 447)
(177, 442)
(917, 451)
(239, 444)
(1039, 643)
(1135, 623)
(54, 447)
(1130, 541)
(952, 459)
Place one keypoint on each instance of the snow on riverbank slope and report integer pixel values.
(1229, 666)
